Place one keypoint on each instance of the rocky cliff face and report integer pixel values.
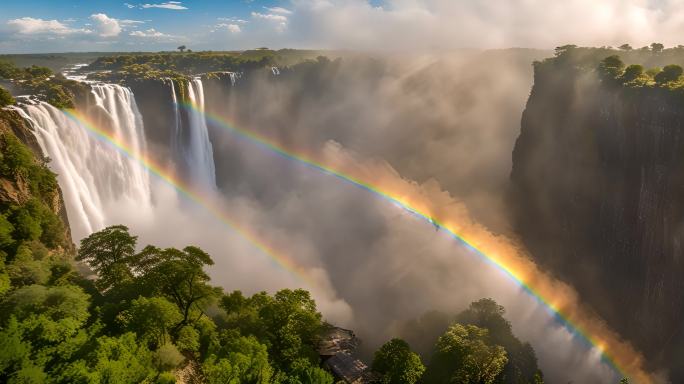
(16, 190)
(598, 196)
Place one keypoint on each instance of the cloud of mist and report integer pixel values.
(440, 121)
(448, 24)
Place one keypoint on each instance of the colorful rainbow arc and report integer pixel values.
(194, 195)
(301, 158)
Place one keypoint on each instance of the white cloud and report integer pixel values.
(233, 20)
(129, 6)
(280, 21)
(175, 5)
(128, 22)
(33, 26)
(279, 10)
(269, 16)
(106, 26)
(232, 28)
(149, 33)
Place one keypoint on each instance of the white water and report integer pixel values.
(199, 153)
(176, 136)
(96, 180)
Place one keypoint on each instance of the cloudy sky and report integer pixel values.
(106, 25)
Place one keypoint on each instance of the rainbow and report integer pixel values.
(194, 195)
(618, 355)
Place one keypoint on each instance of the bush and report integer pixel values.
(632, 73)
(5, 98)
(669, 73)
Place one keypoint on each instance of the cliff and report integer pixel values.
(34, 183)
(597, 186)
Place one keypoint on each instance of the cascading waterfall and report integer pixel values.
(176, 135)
(97, 182)
(199, 153)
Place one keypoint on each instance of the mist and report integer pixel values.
(437, 129)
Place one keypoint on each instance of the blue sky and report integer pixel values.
(78, 25)
(149, 25)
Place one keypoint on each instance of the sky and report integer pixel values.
(152, 25)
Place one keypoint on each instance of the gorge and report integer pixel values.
(382, 269)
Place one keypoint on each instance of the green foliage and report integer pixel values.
(179, 276)
(625, 47)
(237, 359)
(175, 64)
(610, 68)
(463, 355)
(521, 366)
(670, 73)
(151, 319)
(167, 357)
(5, 98)
(188, 339)
(120, 360)
(42, 81)
(397, 363)
(110, 253)
(287, 323)
(632, 73)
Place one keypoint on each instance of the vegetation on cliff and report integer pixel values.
(43, 83)
(650, 67)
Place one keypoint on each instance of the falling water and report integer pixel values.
(96, 181)
(199, 153)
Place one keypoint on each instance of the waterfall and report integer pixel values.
(198, 152)
(176, 135)
(97, 181)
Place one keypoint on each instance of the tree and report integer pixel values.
(179, 276)
(632, 73)
(657, 47)
(397, 363)
(462, 355)
(625, 47)
(110, 253)
(237, 359)
(5, 98)
(182, 48)
(669, 73)
(151, 319)
(564, 49)
(287, 322)
(522, 360)
(610, 68)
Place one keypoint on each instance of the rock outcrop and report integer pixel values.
(597, 191)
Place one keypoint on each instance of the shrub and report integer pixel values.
(5, 98)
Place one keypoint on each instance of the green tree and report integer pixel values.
(657, 47)
(179, 276)
(109, 252)
(5, 98)
(237, 359)
(120, 360)
(182, 48)
(462, 355)
(625, 47)
(397, 363)
(521, 366)
(632, 72)
(151, 319)
(610, 68)
(669, 73)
